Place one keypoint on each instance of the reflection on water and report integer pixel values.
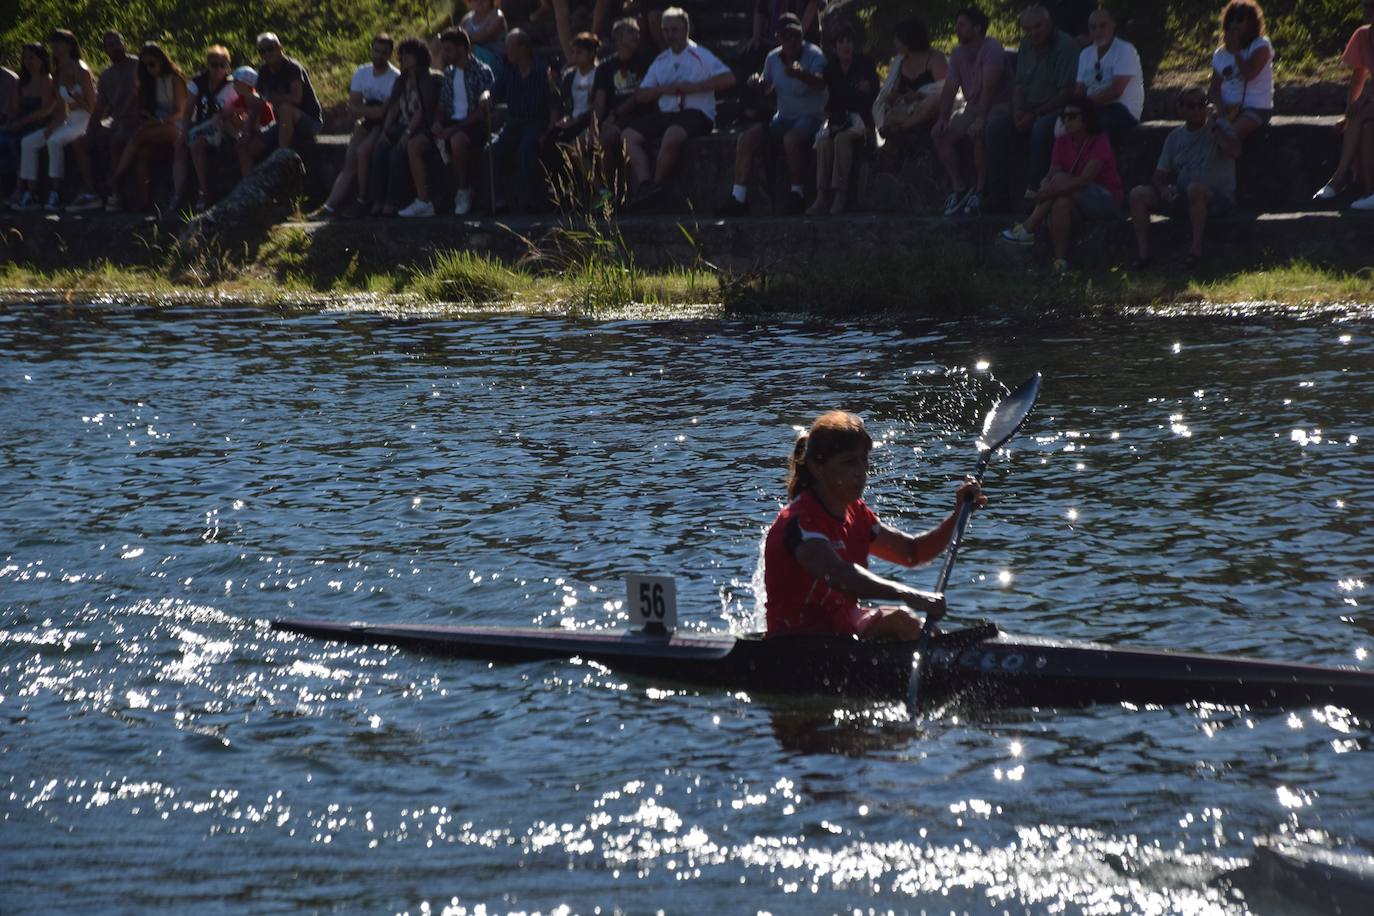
(170, 480)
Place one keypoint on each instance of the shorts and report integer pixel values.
(307, 129)
(962, 119)
(1217, 205)
(1097, 203)
(1260, 116)
(809, 125)
(476, 134)
(654, 125)
(209, 131)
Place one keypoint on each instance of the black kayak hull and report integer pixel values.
(975, 665)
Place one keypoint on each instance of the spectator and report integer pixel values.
(398, 161)
(852, 80)
(910, 98)
(524, 84)
(1243, 69)
(1109, 73)
(463, 117)
(368, 92)
(71, 113)
(285, 85)
(683, 82)
(207, 93)
(978, 68)
(575, 90)
(1073, 18)
(161, 100)
(1196, 175)
(34, 104)
(794, 72)
(1357, 140)
(486, 26)
(243, 116)
(1082, 184)
(114, 120)
(613, 93)
(1045, 66)
(769, 18)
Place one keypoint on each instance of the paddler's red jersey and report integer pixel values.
(797, 602)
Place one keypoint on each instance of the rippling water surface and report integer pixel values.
(172, 479)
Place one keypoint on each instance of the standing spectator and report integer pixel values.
(524, 84)
(1082, 184)
(206, 94)
(161, 100)
(398, 161)
(852, 80)
(978, 67)
(368, 92)
(1357, 140)
(486, 26)
(463, 117)
(285, 85)
(71, 113)
(36, 99)
(683, 82)
(113, 122)
(910, 98)
(1196, 175)
(1046, 64)
(794, 72)
(1243, 69)
(243, 116)
(1109, 73)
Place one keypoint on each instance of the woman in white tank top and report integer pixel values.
(71, 114)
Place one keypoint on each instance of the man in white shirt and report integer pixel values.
(682, 82)
(1109, 74)
(367, 96)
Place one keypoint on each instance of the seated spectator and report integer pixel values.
(1242, 86)
(285, 85)
(1082, 184)
(1046, 64)
(35, 99)
(794, 73)
(524, 84)
(244, 115)
(683, 82)
(1109, 73)
(1357, 138)
(852, 81)
(398, 161)
(486, 26)
(575, 90)
(978, 68)
(618, 79)
(71, 113)
(1196, 175)
(207, 93)
(113, 122)
(463, 117)
(161, 101)
(368, 92)
(910, 98)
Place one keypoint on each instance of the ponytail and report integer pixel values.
(833, 432)
(798, 474)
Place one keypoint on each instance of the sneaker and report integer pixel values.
(1018, 235)
(462, 202)
(733, 207)
(956, 200)
(793, 204)
(113, 204)
(84, 202)
(417, 209)
(973, 204)
(1328, 192)
(322, 213)
(25, 202)
(54, 202)
(1364, 203)
(1060, 266)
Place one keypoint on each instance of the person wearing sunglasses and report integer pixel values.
(206, 94)
(1195, 176)
(1109, 73)
(1242, 86)
(113, 122)
(283, 83)
(1357, 136)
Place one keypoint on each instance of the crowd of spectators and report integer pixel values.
(1036, 129)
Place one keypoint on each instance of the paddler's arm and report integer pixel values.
(916, 549)
(818, 558)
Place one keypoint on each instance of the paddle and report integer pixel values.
(1001, 423)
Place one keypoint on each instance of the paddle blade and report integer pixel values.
(1008, 414)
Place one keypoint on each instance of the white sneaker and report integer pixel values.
(418, 209)
(973, 204)
(1327, 192)
(462, 202)
(1364, 203)
(955, 201)
(54, 202)
(1018, 235)
(113, 204)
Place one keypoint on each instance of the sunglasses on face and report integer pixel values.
(217, 64)
(266, 49)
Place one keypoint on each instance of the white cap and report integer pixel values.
(246, 75)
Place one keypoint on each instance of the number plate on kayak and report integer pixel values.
(652, 600)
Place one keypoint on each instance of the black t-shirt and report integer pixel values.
(273, 82)
(852, 92)
(620, 79)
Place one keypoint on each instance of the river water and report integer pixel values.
(173, 478)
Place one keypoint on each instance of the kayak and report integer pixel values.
(978, 665)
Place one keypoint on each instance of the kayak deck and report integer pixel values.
(978, 665)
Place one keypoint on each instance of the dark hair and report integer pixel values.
(62, 36)
(147, 86)
(1092, 122)
(1243, 11)
(845, 30)
(833, 432)
(457, 37)
(913, 33)
(38, 51)
(976, 16)
(587, 42)
(385, 39)
(416, 49)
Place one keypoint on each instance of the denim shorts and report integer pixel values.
(1217, 204)
(307, 129)
(809, 125)
(1097, 202)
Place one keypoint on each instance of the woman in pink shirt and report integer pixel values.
(1082, 184)
(1357, 141)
